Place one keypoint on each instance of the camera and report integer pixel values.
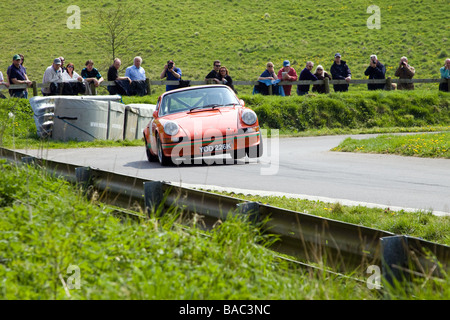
(374, 62)
(170, 65)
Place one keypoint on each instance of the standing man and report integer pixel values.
(214, 74)
(113, 75)
(52, 74)
(375, 70)
(287, 73)
(405, 71)
(306, 74)
(18, 75)
(340, 71)
(172, 73)
(91, 74)
(136, 72)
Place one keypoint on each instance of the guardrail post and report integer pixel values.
(93, 88)
(327, 85)
(83, 176)
(153, 195)
(34, 86)
(388, 84)
(147, 83)
(29, 160)
(271, 90)
(394, 254)
(251, 209)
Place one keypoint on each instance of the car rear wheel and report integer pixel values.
(163, 160)
(150, 157)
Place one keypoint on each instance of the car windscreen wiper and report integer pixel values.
(213, 105)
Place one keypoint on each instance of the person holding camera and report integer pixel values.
(375, 70)
(405, 71)
(171, 73)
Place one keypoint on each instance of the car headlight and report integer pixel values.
(249, 117)
(171, 128)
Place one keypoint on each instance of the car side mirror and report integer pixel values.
(242, 102)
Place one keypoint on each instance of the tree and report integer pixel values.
(115, 26)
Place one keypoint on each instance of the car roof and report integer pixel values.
(195, 87)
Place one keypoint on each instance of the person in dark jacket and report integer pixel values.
(340, 71)
(375, 70)
(321, 75)
(306, 74)
(224, 77)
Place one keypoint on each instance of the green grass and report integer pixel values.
(435, 145)
(251, 35)
(417, 224)
(47, 226)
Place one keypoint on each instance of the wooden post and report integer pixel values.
(327, 85)
(35, 91)
(271, 89)
(388, 84)
(93, 88)
(147, 82)
(448, 85)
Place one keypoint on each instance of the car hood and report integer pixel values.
(198, 122)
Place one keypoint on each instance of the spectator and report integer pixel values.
(445, 74)
(320, 75)
(405, 71)
(63, 68)
(3, 82)
(113, 75)
(375, 71)
(18, 75)
(52, 74)
(267, 78)
(70, 74)
(91, 74)
(214, 74)
(287, 73)
(136, 72)
(172, 73)
(306, 74)
(340, 71)
(224, 77)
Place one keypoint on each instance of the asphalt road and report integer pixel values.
(297, 167)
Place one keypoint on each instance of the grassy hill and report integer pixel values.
(243, 34)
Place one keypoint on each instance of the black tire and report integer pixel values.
(256, 151)
(163, 160)
(150, 156)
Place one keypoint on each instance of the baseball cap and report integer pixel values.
(57, 61)
(17, 57)
(286, 63)
(337, 55)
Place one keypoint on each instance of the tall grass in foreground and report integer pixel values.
(46, 226)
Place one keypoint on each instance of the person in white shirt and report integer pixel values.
(52, 74)
(70, 74)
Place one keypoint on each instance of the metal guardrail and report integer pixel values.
(344, 246)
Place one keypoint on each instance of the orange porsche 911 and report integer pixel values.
(201, 121)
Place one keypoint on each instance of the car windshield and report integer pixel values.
(195, 99)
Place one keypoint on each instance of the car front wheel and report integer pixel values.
(163, 160)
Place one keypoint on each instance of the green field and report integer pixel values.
(243, 34)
